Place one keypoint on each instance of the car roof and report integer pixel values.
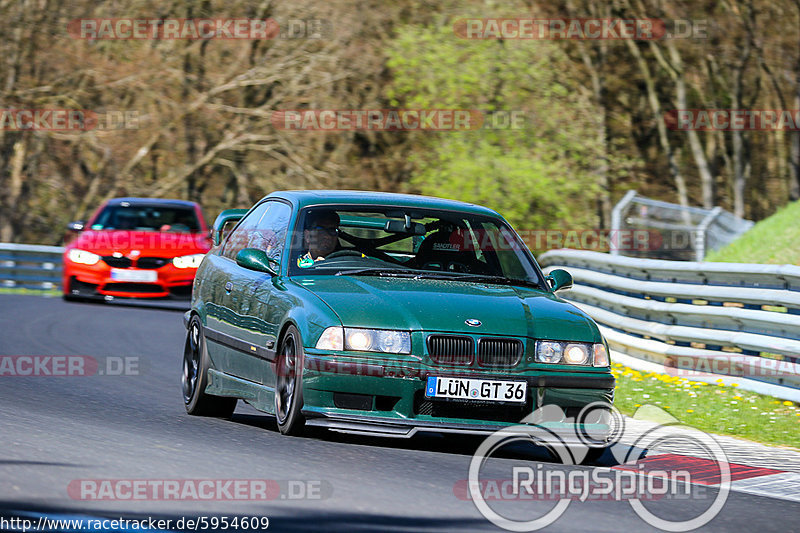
(332, 197)
(160, 202)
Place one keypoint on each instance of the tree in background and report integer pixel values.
(203, 130)
(593, 110)
(539, 175)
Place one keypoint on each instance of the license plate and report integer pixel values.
(134, 276)
(476, 389)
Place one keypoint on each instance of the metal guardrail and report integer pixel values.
(30, 266)
(741, 318)
(655, 310)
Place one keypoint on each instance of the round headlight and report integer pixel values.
(390, 341)
(548, 352)
(576, 354)
(359, 340)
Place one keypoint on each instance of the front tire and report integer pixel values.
(195, 377)
(289, 383)
(67, 295)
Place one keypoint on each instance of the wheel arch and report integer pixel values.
(198, 311)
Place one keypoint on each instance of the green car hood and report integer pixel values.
(438, 305)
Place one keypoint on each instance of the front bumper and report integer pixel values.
(559, 433)
(384, 398)
(95, 281)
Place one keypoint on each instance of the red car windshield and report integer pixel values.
(146, 218)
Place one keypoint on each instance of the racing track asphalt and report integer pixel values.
(58, 429)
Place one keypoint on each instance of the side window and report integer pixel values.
(240, 237)
(270, 235)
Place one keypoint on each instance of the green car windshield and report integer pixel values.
(406, 242)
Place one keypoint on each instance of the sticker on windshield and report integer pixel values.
(305, 262)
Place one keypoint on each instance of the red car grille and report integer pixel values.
(149, 263)
(152, 262)
(117, 262)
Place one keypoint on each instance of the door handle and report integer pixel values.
(228, 287)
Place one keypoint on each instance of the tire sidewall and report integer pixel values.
(202, 364)
(293, 422)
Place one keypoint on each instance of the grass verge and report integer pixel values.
(715, 408)
(38, 292)
(773, 240)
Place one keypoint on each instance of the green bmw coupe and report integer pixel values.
(384, 314)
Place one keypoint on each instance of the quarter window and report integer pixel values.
(270, 234)
(240, 237)
(264, 229)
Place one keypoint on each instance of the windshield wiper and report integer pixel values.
(376, 271)
(480, 278)
(450, 276)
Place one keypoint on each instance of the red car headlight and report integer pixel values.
(83, 257)
(188, 261)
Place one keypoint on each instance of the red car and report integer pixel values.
(136, 247)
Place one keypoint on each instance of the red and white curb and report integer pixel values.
(756, 480)
(754, 468)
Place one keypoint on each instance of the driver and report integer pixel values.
(321, 236)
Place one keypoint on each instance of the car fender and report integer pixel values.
(309, 313)
(199, 310)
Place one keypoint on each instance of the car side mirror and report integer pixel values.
(78, 225)
(254, 259)
(559, 279)
(229, 215)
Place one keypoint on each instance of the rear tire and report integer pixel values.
(289, 383)
(195, 377)
(66, 293)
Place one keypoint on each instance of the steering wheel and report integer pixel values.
(455, 266)
(344, 253)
